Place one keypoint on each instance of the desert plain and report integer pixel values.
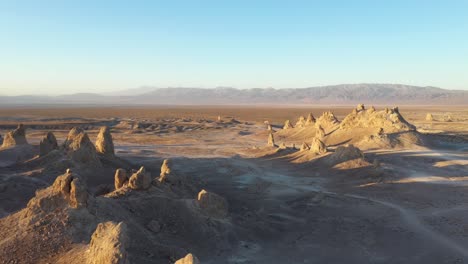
(234, 184)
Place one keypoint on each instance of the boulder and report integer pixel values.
(140, 180)
(212, 204)
(47, 144)
(189, 259)
(345, 153)
(120, 178)
(15, 137)
(108, 244)
(104, 143)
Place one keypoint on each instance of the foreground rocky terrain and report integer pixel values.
(367, 186)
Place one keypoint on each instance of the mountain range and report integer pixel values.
(388, 94)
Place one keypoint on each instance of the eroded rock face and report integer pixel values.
(271, 140)
(47, 144)
(80, 149)
(74, 132)
(15, 137)
(310, 120)
(104, 143)
(120, 178)
(318, 147)
(140, 180)
(108, 244)
(67, 190)
(287, 125)
(320, 133)
(301, 122)
(212, 204)
(327, 119)
(360, 107)
(304, 147)
(389, 119)
(189, 259)
(429, 117)
(78, 193)
(165, 171)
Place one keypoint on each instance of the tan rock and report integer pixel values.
(320, 133)
(360, 107)
(108, 244)
(120, 178)
(345, 153)
(271, 140)
(104, 143)
(429, 117)
(189, 259)
(287, 125)
(317, 146)
(74, 132)
(15, 137)
(78, 193)
(304, 147)
(301, 122)
(47, 144)
(140, 180)
(310, 120)
(212, 204)
(81, 150)
(165, 171)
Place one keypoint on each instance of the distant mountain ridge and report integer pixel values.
(397, 94)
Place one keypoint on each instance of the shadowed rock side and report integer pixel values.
(317, 146)
(104, 143)
(48, 144)
(212, 204)
(140, 180)
(15, 137)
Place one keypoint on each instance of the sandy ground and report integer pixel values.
(412, 211)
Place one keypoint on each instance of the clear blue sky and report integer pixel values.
(66, 46)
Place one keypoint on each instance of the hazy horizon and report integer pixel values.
(57, 47)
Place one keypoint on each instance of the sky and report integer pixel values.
(65, 46)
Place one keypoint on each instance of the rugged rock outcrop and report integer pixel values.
(212, 204)
(81, 150)
(320, 133)
(104, 143)
(310, 120)
(74, 132)
(165, 171)
(304, 147)
(47, 144)
(140, 180)
(327, 119)
(271, 140)
(108, 244)
(360, 107)
(301, 122)
(429, 117)
(15, 137)
(287, 125)
(389, 119)
(120, 178)
(318, 147)
(189, 259)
